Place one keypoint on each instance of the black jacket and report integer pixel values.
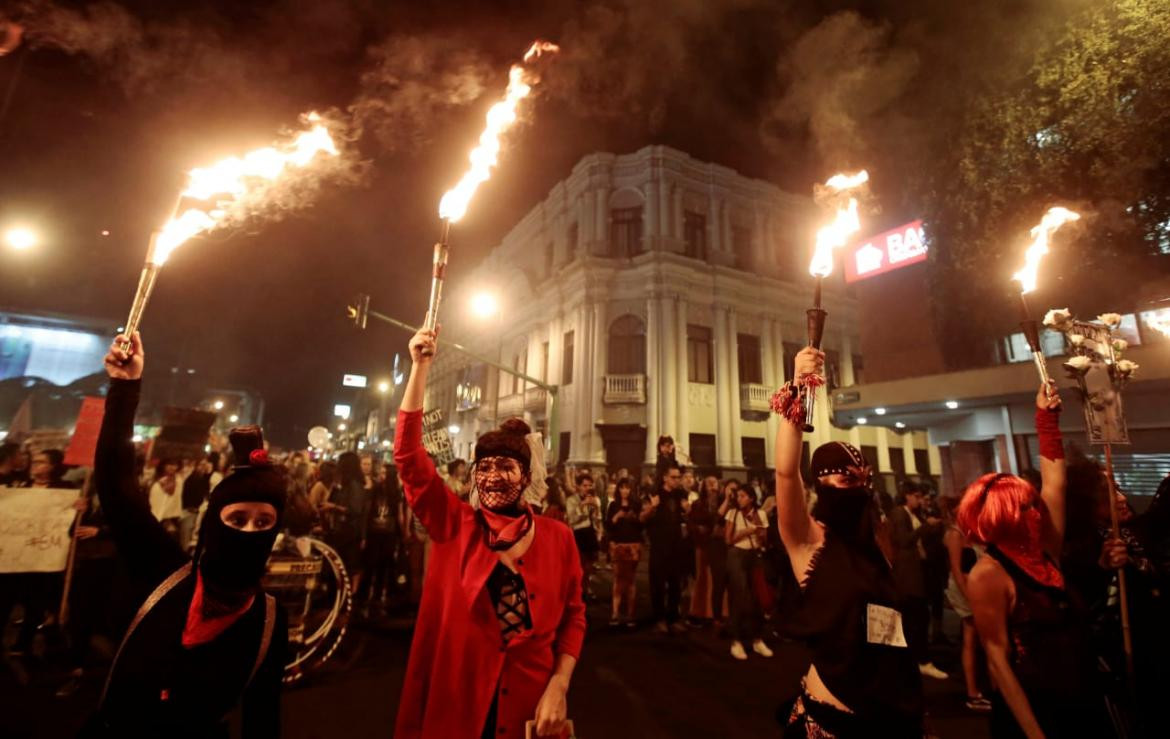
(157, 687)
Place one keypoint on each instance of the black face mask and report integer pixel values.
(849, 513)
(233, 561)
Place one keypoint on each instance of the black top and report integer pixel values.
(967, 559)
(509, 598)
(158, 687)
(629, 529)
(665, 525)
(1049, 641)
(351, 525)
(880, 682)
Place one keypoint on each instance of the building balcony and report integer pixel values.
(535, 399)
(625, 389)
(754, 397)
(511, 405)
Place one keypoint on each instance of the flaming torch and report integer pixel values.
(1041, 237)
(833, 236)
(483, 158)
(225, 189)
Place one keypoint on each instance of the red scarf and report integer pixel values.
(502, 530)
(1028, 554)
(201, 627)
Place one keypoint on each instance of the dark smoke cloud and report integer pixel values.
(412, 81)
(842, 77)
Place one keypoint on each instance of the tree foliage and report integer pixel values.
(1083, 124)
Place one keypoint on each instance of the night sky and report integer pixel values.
(106, 105)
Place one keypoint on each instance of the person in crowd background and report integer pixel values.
(1039, 651)
(196, 489)
(745, 533)
(582, 510)
(961, 557)
(907, 528)
(13, 464)
(350, 513)
(382, 534)
(166, 500)
(663, 518)
(700, 523)
(624, 529)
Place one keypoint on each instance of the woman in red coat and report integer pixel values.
(501, 622)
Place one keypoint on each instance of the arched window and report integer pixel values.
(627, 346)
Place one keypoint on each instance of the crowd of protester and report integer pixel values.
(709, 546)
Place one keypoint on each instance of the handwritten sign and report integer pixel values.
(437, 439)
(883, 625)
(34, 528)
(82, 446)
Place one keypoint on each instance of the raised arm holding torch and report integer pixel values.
(1041, 236)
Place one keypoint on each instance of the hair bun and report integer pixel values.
(515, 426)
(245, 440)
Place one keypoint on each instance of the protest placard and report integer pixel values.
(82, 446)
(34, 528)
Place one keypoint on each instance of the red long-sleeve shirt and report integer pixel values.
(458, 659)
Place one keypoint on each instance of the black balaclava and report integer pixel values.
(232, 561)
(850, 513)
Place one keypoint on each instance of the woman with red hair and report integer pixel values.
(1037, 648)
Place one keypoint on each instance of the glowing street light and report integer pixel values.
(20, 238)
(341, 427)
(233, 418)
(218, 405)
(484, 305)
(384, 387)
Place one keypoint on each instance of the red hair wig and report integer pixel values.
(992, 508)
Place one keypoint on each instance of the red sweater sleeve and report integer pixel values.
(571, 632)
(1048, 434)
(435, 505)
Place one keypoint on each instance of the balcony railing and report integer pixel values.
(755, 397)
(511, 405)
(625, 389)
(535, 399)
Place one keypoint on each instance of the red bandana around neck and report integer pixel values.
(504, 531)
(1026, 551)
(201, 628)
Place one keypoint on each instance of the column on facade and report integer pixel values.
(682, 431)
(586, 221)
(773, 378)
(723, 383)
(736, 416)
(601, 219)
(653, 379)
(650, 230)
(883, 449)
(582, 369)
(600, 318)
(848, 379)
(668, 368)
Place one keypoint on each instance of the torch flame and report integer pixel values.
(836, 234)
(234, 177)
(1041, 236)
(500, 118)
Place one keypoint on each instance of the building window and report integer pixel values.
(755, 455)
(699, 367)
(520, 365)
(625, 232)
(565, 446)
(750, 367)
(567, 360)
(832, 369)
(858, 370)
(741, 243)
(922, 462)
(627, 346)
(544, 352)
(695, 235)
(549, 250)
(571, 239)
(790, 352)
(703, 453)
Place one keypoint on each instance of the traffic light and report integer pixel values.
(359, 310)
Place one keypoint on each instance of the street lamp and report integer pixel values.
(20, 238)
(218, 405)
(384, 387)
(341, 427)
(233, 418)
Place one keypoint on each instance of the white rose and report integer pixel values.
(1112, 320)
(1126, 367)
(1057, 317)
(1120, 345)
(1078, 364)
(1076, 339)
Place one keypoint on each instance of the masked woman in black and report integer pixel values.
(863, 681)
(205, 638)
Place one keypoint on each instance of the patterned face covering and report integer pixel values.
(500, 482)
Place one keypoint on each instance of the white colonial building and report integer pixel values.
(660, 295)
